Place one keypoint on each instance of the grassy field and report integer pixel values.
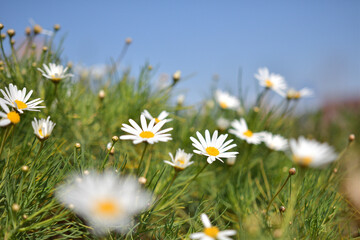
(313, 203)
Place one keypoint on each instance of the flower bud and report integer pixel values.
(150, 67)
(351, 137)
(3, 36)
(115, 139)
(176, 76)
(12, 42)
(292, 171)
(37, 29)
(25, 216)
(101, 94)
(142, 180)
(15, 207)
(78, 145)
(56, 27)
(282, 209)
(128, 41)
(11, 32)
(1, 26)
(27, 31)
(44, 49)
(24, 168)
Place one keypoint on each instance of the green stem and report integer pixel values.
(287, 179)
(142, 158)
(3, 140)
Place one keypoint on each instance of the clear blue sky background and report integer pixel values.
(310, 43)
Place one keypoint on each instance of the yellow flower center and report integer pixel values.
(302, 161)
(41, 132)
(223, 105)
(248, 133)
(157, 120)
(14, 117)
(268, 83)
(181, 161)
(147, 134)
(212, 231)
(297, 95)
(20, 104)
(212, 151)
(55, 78)
(107, 208)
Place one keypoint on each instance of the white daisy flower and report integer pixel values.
(271, 80)
(222, 123)
(43, 128)
(18, 99)
(54, 72)
(241, 131)
(214, 147)
(294, 94)
(146, 133)
(226, 101)
(211, 232)
(275, 142)
(8, 117)
(106, 201)
(310, 153)
(162, 116)
(181, 160)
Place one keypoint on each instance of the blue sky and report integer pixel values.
(310, 43)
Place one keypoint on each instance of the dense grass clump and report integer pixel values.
(243, 196)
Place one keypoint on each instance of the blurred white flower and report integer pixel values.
(275, 142)
(8, 117)
(231, 161)
(55, 72)
(241, 131)
(146, 133)
(214, 147)
(181, 160)
(222, 123)
(18, 99)
(310, 153)
(226, 101)
(271, 80)
(211, 232)
(162, 116)
(180, 99)
(293, 94)
(43, 128)
(106, 201)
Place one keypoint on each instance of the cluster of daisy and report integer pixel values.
(15, 102)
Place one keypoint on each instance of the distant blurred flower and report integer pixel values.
(161, 116)
(18, 99)
(181, 160)
(107, 202)
(8, 117)
(222, 123)
(275, 142)
(147, 133)
(226, 101)
(211, 232)
(231, 161)
(293, 94)
(241, 131)
(214, 147)
(180, 99)
(54, 72)
(310, 153)
(271, 80)
(43, 128)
